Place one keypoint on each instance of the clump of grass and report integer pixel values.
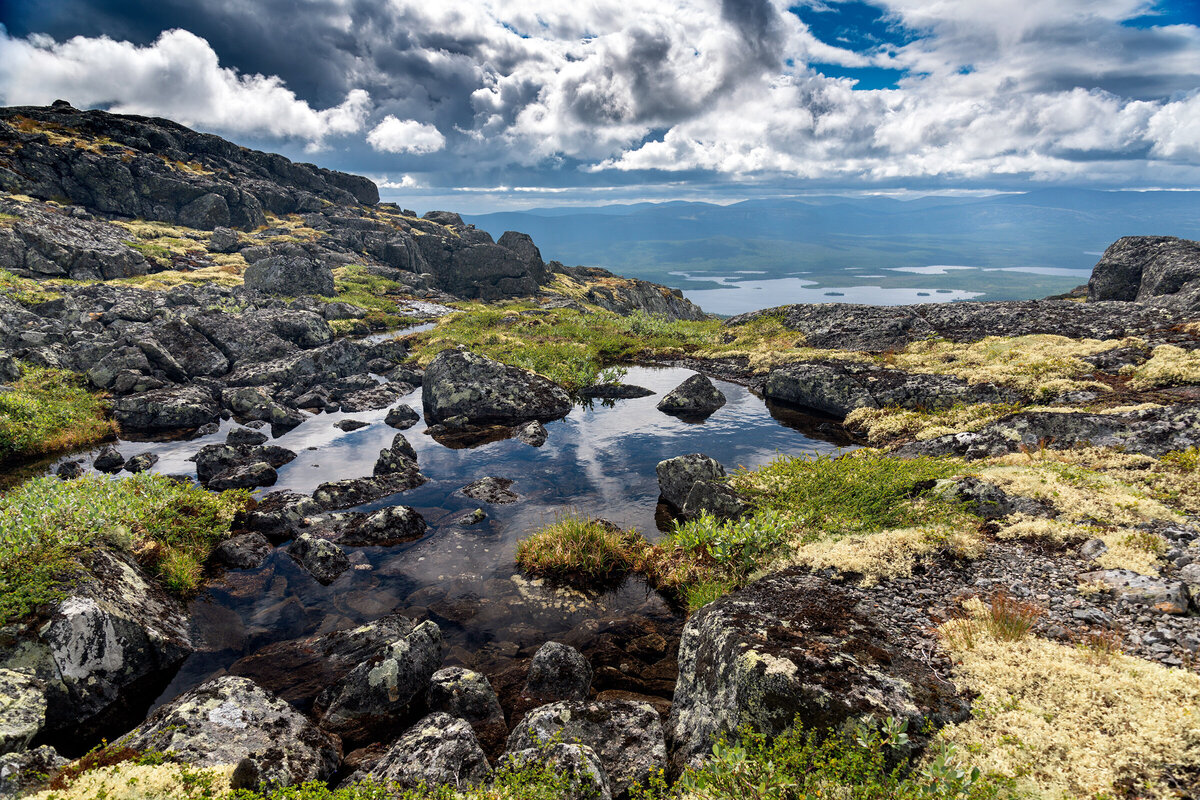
(49, 411)
(47, 526)
(23, 290)
(575, 546)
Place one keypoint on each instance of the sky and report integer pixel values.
(480, 105)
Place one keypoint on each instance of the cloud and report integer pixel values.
(405, 136)
(178, 76)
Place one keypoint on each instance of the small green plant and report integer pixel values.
(49, 411)
(737, 547)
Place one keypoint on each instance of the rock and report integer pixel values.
(469, 696)
(438, 751)
(244, 551)
(350, 424)
(795, 645)
(491, 490)
(695, 397)
(290, 276)
(402, 416)
(69, 470)
(141, 462)
(1148, 269)
(400, 457)
(677, 476)
(532, 434)
(223, 240)
(385, 690)
(986, 500)
(386, 527)
(558, 672)
(215, 460)
(22, 710)
(588, 780)
(166, 409)
(245, 437)
(379, 396)
(247, 476)
(104, 652)
(229, 719)
(460, 383)
(278, 514)
(627, 737)
(839, 387)
(716, 498)
(1162, 595)
(323, 559)
(109, 459)
(357, 491)
(471, 518)
(336, 311)
(29, 770)
(1093, 549)
(614, 391)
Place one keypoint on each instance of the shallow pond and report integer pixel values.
(599, 460)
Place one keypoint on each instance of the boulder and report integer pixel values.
(400, 457)
(492, 490)
(245, 437)
(22, 710)
(141, 462)
(1161, 269)
(469, 696)
(348, 425)
(716, 498)
(27, 771)
(558, 672)
(587, 780)
(247, 476)
(214, 460)
(795, 646)
(385, 690)
(677, 476)
(323, 559)
(290, 276)
(109, 459)
(402, 416)
(244, 551)
(301, 669)
(459, 383)
(357, 491)
(627, 736)
(614, 391)
(839, 387)
(230, 719)
(386, 527)
(1160, 594)
(379, 396)
(696, 398)
(69, 470)
(278, 514)
(104, 652)
(207, 212)
(166, 409)
(532, 433)
(438, 751)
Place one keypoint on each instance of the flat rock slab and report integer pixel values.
(492, 490)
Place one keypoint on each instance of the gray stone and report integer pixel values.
(402, 416)
(532, 434)
(166, 409)
(247, 476)
(22, 710)
(469, 696)
(69, 470)
(323, 559)
(558, 672)
(244, 551)
(716, 498)
(141, 462)
(385, 527)
(588, 781)
(290, 276)
(437, 751)
(492, 490)
(247, 437)
(676, 476)
(483, 391)
(357, 491)
(696, 397)
(1162, 595)
(109, 459)
(29, 770)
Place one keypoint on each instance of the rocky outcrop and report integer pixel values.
(27, 771)
(846, 326)
(359, 491)
(22, 710)
(1160, 270)
(385, 690)
(794, 646)
(626, 736)
(558, 672)
(1153, 431)
(322, 559)
(41, 243)
(290, 277)
(626, 295)
(230, 719)
(469, 264)
(167, 409)
(461, 384)
(101, 655)
(695, 398)
(468, 696)
(438, 751)
(839, 387)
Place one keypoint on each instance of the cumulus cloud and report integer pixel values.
(405, 136)
(177, 76)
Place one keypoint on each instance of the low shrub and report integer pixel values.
(49, 411)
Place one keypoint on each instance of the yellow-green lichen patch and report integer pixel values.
(1168, 366)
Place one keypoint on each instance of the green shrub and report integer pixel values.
(47, 525)
(49, 411)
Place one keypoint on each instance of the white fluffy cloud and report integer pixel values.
(405, 136)
(178, 76)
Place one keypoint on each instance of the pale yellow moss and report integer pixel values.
(1069, 725)
(1168, 366)
(228, 273)
(883, 425)
(1040, 365)
(887, 554)
(143, 782)
(1023, 526)
(1128, 548)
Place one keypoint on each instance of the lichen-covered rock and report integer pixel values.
(676, 476)
(383, 528)
(286, 276)
(1162, 595)
(492, 490)
(790, 646)
(244, 551)
(837, 388)
(385, 690)
(246, 476)
(459, 383)
(469, 696)
(141, 462)
(28, 770)
(437, 751)
(1149, 269)
(230, 719)
(357, 491)
(986, 500)
(245, 437)
(402, 416)
(696, 398)
(716, 498)
(104, 652)
(279, 514)
(558, 672)
(532, 433)
(167, 409)
(400, 457)
(587, 780)
(323, 559)
(22, 710)
(626, 735)
(299, 670)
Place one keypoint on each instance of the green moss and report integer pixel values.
(23, 290)
(47, 525)
(49, 411)
(371, 293)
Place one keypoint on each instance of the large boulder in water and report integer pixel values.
(677, 476)
(794, 646)
(1160, 269)
(694, 398)
(103, 653)
(459, 383)
(230, 719)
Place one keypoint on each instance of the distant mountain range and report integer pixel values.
(831, 239)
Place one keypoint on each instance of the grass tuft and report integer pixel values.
(49, 411)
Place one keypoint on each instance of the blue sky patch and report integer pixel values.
(854, 25)
(867, 77)
(1168, 12)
